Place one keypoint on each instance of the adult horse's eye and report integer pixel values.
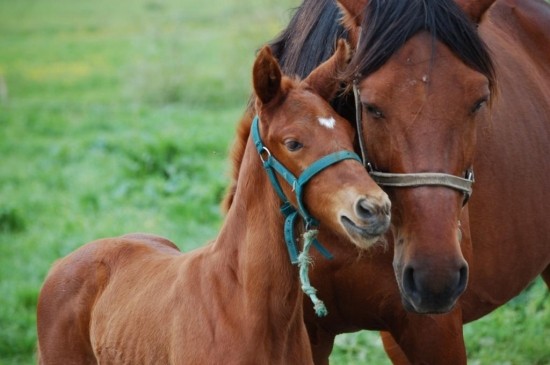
(478, 105)
(374, 111)
(293, 145)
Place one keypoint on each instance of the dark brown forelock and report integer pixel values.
(388, 24)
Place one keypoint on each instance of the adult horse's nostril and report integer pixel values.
(409, 284)
(462, 280)
(429, 292)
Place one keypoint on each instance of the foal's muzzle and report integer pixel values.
(370, 219)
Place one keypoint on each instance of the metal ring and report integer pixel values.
(268, 154)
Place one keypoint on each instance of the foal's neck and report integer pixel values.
(252, 243)
(251, 251)
(254, 227)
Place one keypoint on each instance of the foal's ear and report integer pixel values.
(353, 12)
(475, 8)
(324, 80)
(266, 76)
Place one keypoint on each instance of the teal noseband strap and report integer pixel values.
(273, 167)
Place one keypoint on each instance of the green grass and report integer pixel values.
(116, 116)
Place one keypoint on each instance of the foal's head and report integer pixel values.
(299, 127)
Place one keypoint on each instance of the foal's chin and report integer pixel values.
(362, 236)
(366, 242)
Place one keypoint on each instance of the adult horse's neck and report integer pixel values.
(251, 244)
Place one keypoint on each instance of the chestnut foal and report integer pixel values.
(137, 299)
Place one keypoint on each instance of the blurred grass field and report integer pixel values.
(116, 117)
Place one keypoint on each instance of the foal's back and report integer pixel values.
(115, 270)
(145, 278)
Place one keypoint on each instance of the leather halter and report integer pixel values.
(273, 166)
(400, 180)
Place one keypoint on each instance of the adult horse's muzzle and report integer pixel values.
(429, 290)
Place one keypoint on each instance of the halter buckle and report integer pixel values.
(470, 175)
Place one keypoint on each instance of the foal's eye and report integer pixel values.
(293, 145)
(478, 105)
(374, 111)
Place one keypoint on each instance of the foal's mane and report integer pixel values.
(388, 24)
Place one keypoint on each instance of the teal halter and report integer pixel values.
(273, 166)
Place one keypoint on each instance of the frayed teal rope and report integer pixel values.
(304, 260)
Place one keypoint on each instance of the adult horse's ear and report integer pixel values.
(266, 76)
(475, 8)
(324, 80)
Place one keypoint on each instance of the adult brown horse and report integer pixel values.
(136, 299)
(440, 95)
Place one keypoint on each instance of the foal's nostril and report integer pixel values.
(372, 212)
(371, 216)
(386, 209)
(364, 209)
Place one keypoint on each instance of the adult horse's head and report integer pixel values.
(303, 133)
(424, 79)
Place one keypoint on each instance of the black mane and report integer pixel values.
(388, 24)
(310, 37)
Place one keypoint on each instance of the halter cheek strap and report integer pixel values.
(462, 184)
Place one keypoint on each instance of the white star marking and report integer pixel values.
(327, 122)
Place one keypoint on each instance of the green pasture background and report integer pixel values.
(116, 116)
